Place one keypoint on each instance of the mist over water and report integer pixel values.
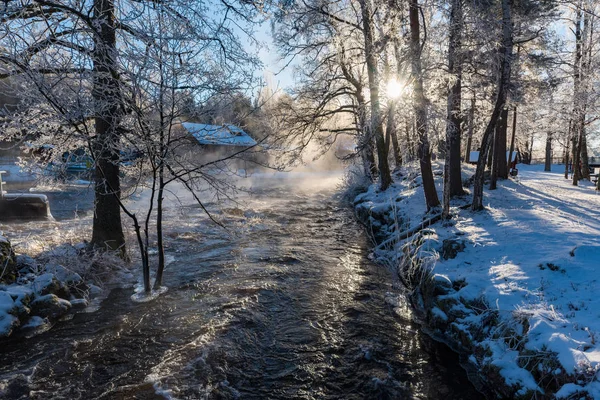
(284, 303)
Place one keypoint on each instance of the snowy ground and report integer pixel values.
(532, 260)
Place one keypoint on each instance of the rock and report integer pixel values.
(26, 264)
(8, 314)
(442, 285)
(81, 247)
(95, 291)
(50, 306)
(20, 293)
(21, 296)
(48, 284)
(79, 304)
(7, 303)
(63, 274)
(451, 248)
(8, 323)
(8, 265)
(64, 250)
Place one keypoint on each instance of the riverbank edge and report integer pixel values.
(441, 312)
(423, 314)
(37, 292)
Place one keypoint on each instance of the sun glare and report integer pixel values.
(394, 89)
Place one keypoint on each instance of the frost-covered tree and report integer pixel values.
(72, 56)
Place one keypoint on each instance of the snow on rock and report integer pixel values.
(521, 295)
(79, 304)
(38, 296)
(50, 305)
(8, 314)
(63, 274)
(47, 283)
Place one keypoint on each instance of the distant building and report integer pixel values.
(594, 162)
(219, 135)
(210, 143)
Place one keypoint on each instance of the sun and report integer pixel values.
(394, 88)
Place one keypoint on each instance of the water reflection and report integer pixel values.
(287, 307)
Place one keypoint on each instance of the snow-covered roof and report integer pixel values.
(224, 135)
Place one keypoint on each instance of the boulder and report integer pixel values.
(26, 264)
(63, 274)
(48, 284)
(22, 296)
(8, 314)
(451, 248)
(50, 306)
(79, 304)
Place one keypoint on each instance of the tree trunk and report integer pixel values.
(503, 82)
(530, 149)
(490, 154)
(365, 141)
(373, 74)
(369, 155)
(107, 231)
(577, 100)
(452, 173)
(512, 140)
(501, 145)
(162, 150)
(410, 153)
(420, 107)
(392, 134)
(159, 229)
(494, 166)
(470, 131)
(586, 88)
(548, 159)
(585, 163)
(576, 169)
(567, 159)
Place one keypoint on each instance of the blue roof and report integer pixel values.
(224, 135)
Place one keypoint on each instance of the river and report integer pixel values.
(284, 304)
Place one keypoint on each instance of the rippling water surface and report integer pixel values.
(285, 305)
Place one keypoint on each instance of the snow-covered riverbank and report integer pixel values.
(514, 286)
(37, 292)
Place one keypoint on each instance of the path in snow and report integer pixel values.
(535, 252)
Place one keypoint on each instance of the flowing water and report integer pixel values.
(283, 305)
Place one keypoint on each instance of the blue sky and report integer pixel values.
(270, 58)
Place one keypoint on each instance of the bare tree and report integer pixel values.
(502, 90)
(373, 74)
(420, 106)
(452, 170)
(85, 61)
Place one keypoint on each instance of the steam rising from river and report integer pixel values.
(283, 304)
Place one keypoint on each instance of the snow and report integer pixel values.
(142, 297)
(533, 254)
(63, 274)
(226, 135)
(42, 281)
(7, 308)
